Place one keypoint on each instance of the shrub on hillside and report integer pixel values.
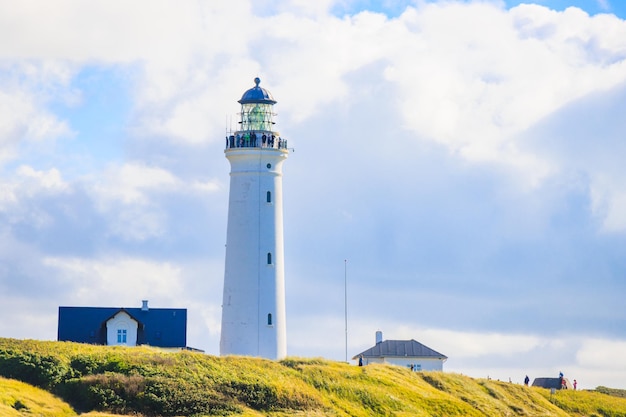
(101, 392)
(167, 397)
(85, 365)
(33, 368)
(615, 392)
(267, 395)
(152, 396)
(255, 394)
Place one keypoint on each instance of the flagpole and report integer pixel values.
(345, 292)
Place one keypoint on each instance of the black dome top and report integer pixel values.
(257, 95)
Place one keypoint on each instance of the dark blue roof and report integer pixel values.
(163, 327)
(400, 348)
(257, 95)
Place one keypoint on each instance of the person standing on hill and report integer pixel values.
(526, 380)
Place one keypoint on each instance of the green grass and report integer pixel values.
(149, 382)
(20, 399)
(588, 403)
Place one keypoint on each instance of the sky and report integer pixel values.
(457, 166)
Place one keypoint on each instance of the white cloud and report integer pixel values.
(603, 354)
(123, 279)
(47, 180)
(41, 318)
(125, 196)
(206, 186)
(608, 199)
(28, 185)
(132, 197)
(23, 118)
(332, 48)
(131, 183)
(475, 88)
(70, 30)
(473, 344)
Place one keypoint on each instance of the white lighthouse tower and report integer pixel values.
(253, 307)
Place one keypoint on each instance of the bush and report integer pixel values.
(169, 397)
(33, 368)
(109, 392)
(254, 394)
(151, 396)
(85, 365)
(615, 392)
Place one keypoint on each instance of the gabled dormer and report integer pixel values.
(122, 329)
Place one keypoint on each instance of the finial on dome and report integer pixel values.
(257, 95)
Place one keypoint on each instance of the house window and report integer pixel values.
(415, 367)
(269, 319)
(269, 258)
(269, 197)
(121, 335)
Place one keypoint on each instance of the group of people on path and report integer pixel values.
(562, 381)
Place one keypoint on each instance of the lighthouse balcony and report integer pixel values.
(264, 140)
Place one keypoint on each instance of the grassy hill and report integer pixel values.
(145, 381)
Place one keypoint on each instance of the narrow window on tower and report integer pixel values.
(269, 196)
(269, 319)
(269, 258)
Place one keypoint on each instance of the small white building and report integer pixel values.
(409, 353)
(159, 327)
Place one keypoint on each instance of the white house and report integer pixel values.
(160, 327)
(409, 353)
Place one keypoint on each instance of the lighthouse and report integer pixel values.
(253, 304)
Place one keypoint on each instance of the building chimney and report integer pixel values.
(379, 336)
(144, 305)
